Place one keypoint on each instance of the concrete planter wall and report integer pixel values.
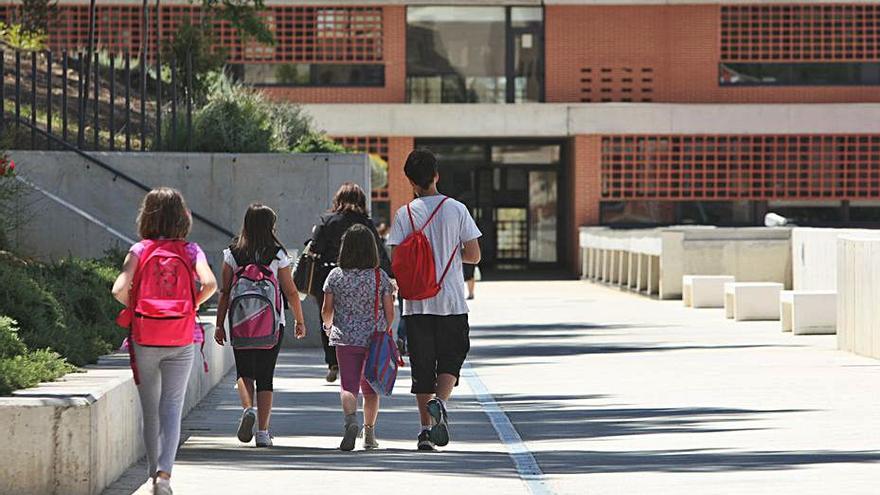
(814, 256)
(77, 435)
(858, 286)
(749, 254)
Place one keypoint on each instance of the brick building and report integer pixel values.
(551, 115)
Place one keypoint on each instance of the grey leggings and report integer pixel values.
(164, 374)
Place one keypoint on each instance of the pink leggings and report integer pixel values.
(351, 369)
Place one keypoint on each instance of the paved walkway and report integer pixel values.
(611, 393)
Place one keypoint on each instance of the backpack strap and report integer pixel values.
(430, 218)
(448, 265)
(376, 304)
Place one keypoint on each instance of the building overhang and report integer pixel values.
(349, 3)
(559, 120)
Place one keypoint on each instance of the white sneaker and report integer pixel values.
(264, 439)
(162, 487)
(246, 425)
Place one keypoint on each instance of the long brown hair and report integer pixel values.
(350, 197)
(257, 240)
(359, 249)
(164, 215)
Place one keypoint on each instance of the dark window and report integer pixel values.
(800, 74)
(359, 75)
(487, 54)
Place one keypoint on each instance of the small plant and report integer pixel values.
(21, 368)
(318, 142)
(11, 189)
(20, 38)
(7, 165)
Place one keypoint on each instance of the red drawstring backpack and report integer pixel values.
(413, 263)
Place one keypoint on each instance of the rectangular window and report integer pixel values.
(474, 54)
(324, 75)
(800, 74)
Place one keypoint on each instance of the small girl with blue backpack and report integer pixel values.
(256, 270)
(353, 294)
(158, 286)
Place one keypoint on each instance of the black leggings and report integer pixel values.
(258, 365)
(329, 351)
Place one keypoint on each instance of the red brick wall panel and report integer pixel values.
(740, 167)
(399, 189)
(682, 45)
(584, 189)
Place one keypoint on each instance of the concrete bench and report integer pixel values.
(808, 312)
(704, 291)
(752, 300)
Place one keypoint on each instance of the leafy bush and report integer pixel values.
(239, 119)
(291, 123)
(19, 37)
(317, 142)
(65, 306)
(20, 368)
(235, 120)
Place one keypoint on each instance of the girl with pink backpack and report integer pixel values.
(158, 287)
(256, 270)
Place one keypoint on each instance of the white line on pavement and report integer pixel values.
(525, 463)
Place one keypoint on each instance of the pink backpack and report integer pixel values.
(255, 308)
(163, 295)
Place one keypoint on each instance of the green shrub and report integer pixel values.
(27, 370)
(10, 344)
(65, 306)
(317, 142)
(236, 119)
(290, 123)
(20, 368)
(20, 38)
(82, 287)
(38, 313)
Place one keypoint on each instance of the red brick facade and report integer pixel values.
(671, 54)
(584, 188)
(394, 59)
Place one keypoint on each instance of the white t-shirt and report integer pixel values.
(281, 261)
(451, 227)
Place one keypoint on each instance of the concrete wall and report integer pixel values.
(219, 186)
(572, 119)
(858, 289)
(77, 435)
(749, 254)
(814, 256)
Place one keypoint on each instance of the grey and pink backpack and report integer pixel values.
(255, 308)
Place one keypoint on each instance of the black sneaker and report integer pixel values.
(440, 429)
(425, 442)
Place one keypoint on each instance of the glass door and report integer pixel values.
(543, 225)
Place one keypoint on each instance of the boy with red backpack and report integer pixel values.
(158, 287)
(432, 236)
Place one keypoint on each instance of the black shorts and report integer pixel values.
(469, 271)
(437, 345)
(258, 364)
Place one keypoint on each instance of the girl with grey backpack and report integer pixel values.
(256, 271)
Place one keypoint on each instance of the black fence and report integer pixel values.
(100, 103)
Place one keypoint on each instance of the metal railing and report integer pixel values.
(121, 109)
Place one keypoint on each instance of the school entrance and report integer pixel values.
(511, 188)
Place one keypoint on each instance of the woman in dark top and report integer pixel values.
(349, 208)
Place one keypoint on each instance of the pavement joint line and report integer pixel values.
(523, 459)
